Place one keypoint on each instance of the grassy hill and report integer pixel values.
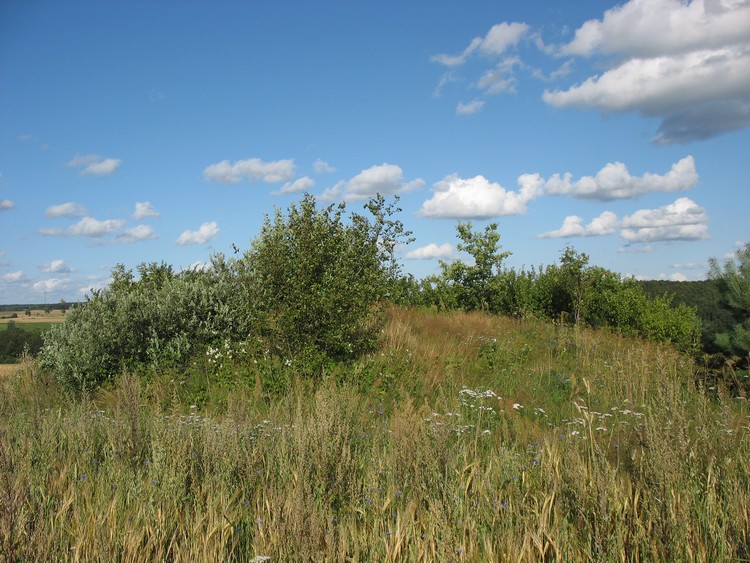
(464, 437)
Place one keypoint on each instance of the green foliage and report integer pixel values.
(14, 341)
(472, 287)
(314, 281)
(571, 291)
(155, 322)
(734, 279)
(309, 291)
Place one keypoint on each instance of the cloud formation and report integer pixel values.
(56, 266)
(6, 204)
(686, 63)
(94, 165)
(70, 209)
(604, 224)
(430, 251)
(469, 108)
(498, 39)
(322, 167)
(385, 179)
(251, 169)
(478, 198)
(144, 210)
(205, 233)
(136, 234)
(87, 227)
(299, 185)
(614, 181)
(681, 220)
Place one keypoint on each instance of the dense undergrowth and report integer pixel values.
(462, 437)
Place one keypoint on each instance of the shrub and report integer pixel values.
(313, 282)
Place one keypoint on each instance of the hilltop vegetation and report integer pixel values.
(461, 437)
(305, 401)
(309, 294)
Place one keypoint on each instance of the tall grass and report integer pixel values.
(476, 439)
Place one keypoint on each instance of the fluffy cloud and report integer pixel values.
(469, 108)
(499, 39)
(56, 267)
(95, 165)
(137, 233)
(614, 181)
(69, 209)
(299, 185)
(385, 179)
(6, 204)
(430, 251)
(605, 224)
(686, 63)
(87, 227)
(205, 232)
(90, 227)
(252, 169)
(478, 198)
(48, 285)
(144, 210)
(681, 220)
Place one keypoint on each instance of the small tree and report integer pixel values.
(315, 281)
(474, 286)
(734, 279)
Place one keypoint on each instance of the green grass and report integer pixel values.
(473, 439)
(38, 327)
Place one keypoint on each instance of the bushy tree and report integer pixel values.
(152, 321)
(315, 279)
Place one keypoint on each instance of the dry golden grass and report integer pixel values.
(601, 449)
(37, 316)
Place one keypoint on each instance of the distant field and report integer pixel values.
(37, 316)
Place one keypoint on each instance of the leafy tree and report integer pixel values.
(474, 286)
(734, 278)
(314, 281)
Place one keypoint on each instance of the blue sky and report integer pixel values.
(163, 131)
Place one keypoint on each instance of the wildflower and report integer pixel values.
(517, 406)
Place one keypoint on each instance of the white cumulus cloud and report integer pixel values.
(137, 233)
(384, 179)
(251, 169)
(90, 227)
(430, 251)
(681, 220)
(614, 181)
(12, 277)
(684, 62)
(144, 210)
(604, 224)
(478, 198)
(69, 209)
(205, 232)
(6, 204)
(299, 185)
(56, 266)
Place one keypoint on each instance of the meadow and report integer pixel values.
(463, 437)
